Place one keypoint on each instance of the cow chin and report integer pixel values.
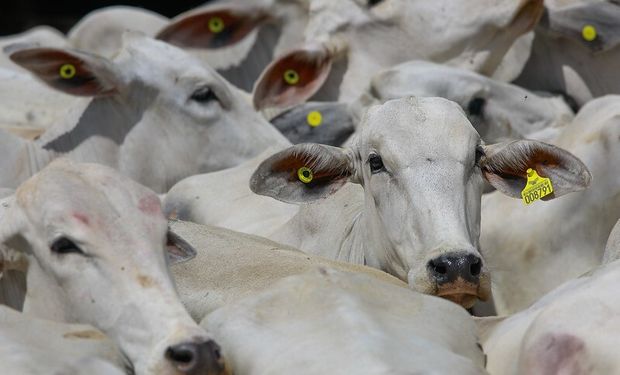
(465, 293)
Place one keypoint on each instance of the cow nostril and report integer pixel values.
(475, 268)
(439, 268)
(215, 349)
(183, 354)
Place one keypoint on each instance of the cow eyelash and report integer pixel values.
(479, 155)
(64, 245)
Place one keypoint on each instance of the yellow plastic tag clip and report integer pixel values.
(291, 77)
(305, 175)
(67, 71)
(536, 188)
(588, 32)
(216, 25)
(314, 119)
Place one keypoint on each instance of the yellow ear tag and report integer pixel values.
(216, 25)
(291, 77)
(314, 119)
(67, 71)
(537, 187)
(588, 33)
(304, 174)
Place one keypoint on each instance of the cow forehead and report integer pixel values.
(425, 127)
(92, 194)
(429, 79)
(148, 58)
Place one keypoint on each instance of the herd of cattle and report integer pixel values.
(313, 187)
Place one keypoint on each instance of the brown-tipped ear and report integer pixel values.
(527, 16)
(213, 27)
(303, 173)
(69, 71)
(177, 249)
(505, 166)
(292, 78)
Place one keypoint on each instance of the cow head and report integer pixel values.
(175, 116)
(422, 167)
(96, 242)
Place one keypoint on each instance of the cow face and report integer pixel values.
(97, 246)
(177, 117)
(422, 166)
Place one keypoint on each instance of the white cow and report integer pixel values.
(95, 244)
(575, 51)
(498, 110)
(30, 346)
(239, 264)
(571, 330)
(329, 322)
(414, 214)
(551, 242)
(348, 41)
(157, 114)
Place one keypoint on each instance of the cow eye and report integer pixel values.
(372, 3)
(476, 106)
(376, 163)
(203, 95)
(63, 245)
(479, 154)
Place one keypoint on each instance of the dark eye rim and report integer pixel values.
(476, 105)
(204, 95)
(64, 245)
(372, 3)
(479, 155)
(375, 169)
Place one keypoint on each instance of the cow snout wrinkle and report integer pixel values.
(196, 358)
(447, 268)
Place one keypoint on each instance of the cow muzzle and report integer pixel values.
(457, 277)
(193, 358)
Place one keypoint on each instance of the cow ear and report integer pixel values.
(13, 245)
(317, 122)
(505, 166)
(293, 78)
(72, 72)
(177, 249)
(303, 173)
(213, 27)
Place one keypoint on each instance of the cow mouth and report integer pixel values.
(462, 293)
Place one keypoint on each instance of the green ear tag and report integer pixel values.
(291, 77)
(304, 174)
(67, 71)
(216, 25)
(536, 188)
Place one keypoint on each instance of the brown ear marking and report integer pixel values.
(61, 70)
(213, 28)
(517, 169)
(293, 78)
(321, 175)
(528, 15)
